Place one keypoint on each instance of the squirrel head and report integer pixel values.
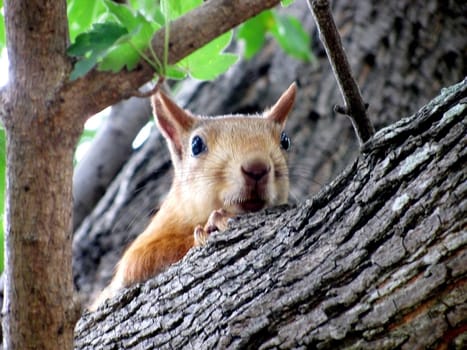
(235, 162)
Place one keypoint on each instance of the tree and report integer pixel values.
(235, 293)
(43, 113)
(65, 101)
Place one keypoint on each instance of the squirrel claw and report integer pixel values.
(200, 236)
(217, 221)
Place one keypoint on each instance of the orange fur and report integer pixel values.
(149, 255)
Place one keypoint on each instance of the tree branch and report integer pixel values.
(355, 108)
(370, 262)
(98, 90)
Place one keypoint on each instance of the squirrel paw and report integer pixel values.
(217, 221)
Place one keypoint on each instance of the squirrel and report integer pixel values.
(223, 166)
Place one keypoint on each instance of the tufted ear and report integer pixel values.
(280, 111)
(173, 121)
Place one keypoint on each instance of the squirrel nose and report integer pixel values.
(255, 170)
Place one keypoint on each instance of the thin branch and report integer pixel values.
(2, 103)
(98, 90)
(355, 108)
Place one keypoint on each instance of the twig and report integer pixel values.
(354, 108)
(145, 94)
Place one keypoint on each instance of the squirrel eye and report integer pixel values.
(285, 141)
(197, 146)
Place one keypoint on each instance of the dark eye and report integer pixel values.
(285, 141)
(197, 146)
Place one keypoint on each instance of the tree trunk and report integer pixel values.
(38, 310)
(36, 226)
(376, 260)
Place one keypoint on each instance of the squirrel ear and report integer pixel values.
(172, 120)
(280, 111)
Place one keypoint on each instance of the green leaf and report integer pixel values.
(123, 14)
(212, 68)
(94, 45)
(253, 32)
(174, 72)
(2, 28)
(178, 8)
(291, 37)
(82, 14)
(126, 51)
(83, 66)
(100, 38)
(118, 57)
(88, 134)
(208, 62)
(159, 17)
(150, 9)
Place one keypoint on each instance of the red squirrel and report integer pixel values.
(223, 166)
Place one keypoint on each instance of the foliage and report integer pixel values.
(82, 14)
(123, 34)
(287, 30)
(114, 36)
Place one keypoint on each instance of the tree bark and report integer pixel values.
(38, 310)
(376, 260)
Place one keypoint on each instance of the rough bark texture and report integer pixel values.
(376, 260)
(401, 52)
(40, 143)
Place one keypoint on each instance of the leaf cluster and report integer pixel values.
(120, 35)
(112, 37)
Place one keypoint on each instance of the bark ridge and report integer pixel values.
(376, 260)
